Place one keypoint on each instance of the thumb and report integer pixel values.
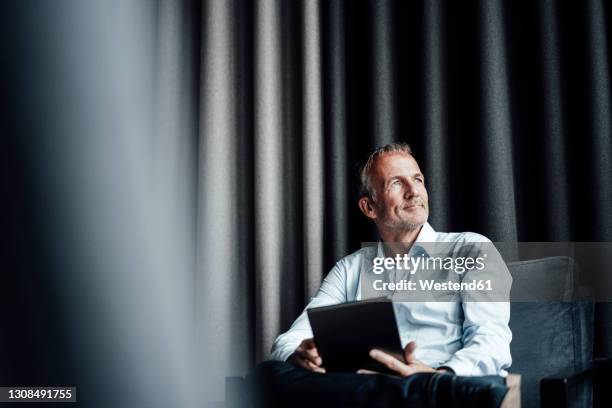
(409, 352)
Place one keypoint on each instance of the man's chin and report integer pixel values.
(413, 226)
(414, 220)
(409, 224)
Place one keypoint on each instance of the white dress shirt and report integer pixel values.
(472, 338)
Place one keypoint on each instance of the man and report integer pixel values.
(455, 339)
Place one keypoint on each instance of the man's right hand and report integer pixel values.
(307, 356)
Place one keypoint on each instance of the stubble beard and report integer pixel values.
(406, 225)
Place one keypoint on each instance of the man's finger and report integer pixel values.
(314, 358)
(364, 371)
(389, 361)
(383, 357)
(303, 363)
(409, 352)
(310, 366)
(315, 368)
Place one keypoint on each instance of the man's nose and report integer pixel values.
(410, 190)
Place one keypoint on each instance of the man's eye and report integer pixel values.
(396, 183)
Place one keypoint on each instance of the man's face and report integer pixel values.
(400, 197)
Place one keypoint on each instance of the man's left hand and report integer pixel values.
(404, 369)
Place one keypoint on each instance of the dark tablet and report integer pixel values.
(345, 334)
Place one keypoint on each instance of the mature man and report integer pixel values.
(455, 352)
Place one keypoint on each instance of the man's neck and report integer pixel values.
(399, 241)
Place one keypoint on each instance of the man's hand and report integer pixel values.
(307, 356)
(404, 369)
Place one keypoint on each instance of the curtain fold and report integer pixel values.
(270, 240)
(435, 101)
(222, 315)
(336, 166)
(598, 114)
(552, 128)
(497, 175)
(381, 57)
(314, 165)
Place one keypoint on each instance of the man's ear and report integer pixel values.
(367, 207)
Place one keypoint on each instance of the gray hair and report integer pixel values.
(365, 187)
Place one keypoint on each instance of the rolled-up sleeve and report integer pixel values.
(332, 291)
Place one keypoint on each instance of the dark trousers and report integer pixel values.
(281, 384)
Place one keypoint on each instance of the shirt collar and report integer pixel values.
(427, 234)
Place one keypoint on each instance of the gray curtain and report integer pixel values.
(226, 134)
(494, 96)
(507, 105)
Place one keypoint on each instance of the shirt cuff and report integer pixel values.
(282, 354)
(446, 368)
(459, 367)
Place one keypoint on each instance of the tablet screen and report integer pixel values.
(345, 333)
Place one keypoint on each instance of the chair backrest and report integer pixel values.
(551, 336)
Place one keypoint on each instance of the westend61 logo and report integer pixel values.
(435, 272)
(411, 264)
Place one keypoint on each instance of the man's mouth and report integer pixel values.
(412, 205)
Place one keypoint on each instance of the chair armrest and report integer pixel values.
(556, 391)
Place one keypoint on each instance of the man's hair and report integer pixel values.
(365, 186)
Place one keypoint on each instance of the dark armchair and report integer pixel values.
(552, 345)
